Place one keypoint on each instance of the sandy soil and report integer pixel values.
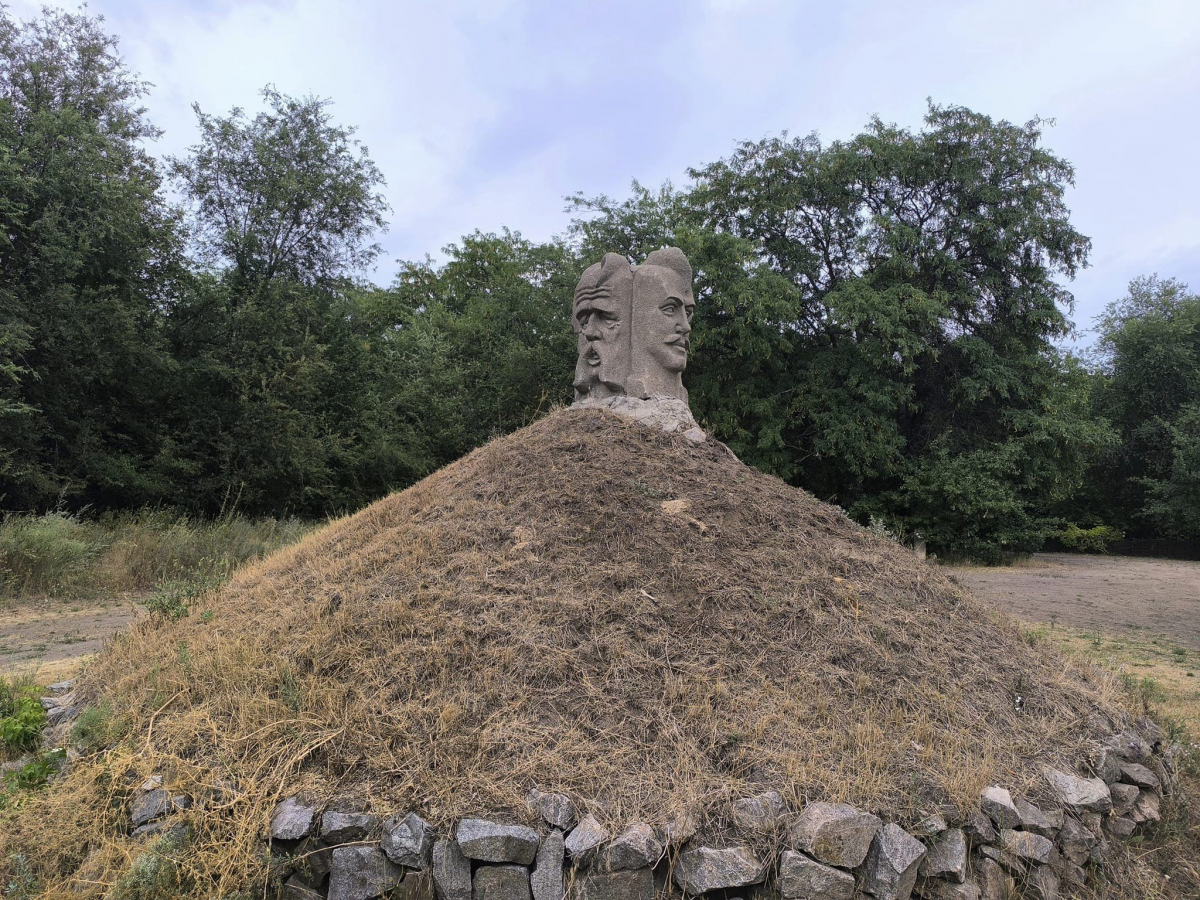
(52, 637)
(1113, 594)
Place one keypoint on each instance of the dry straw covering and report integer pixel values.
(586, 606)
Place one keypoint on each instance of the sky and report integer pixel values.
(486, 114)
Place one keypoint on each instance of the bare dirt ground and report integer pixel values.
(51, 637)
(1111, 594)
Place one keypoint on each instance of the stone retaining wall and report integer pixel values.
(1008, 847)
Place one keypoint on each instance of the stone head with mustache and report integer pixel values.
(663, 305)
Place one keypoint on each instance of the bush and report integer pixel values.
(60, 555)
(1088, 540)
(46, 554)
(21, 717)
(97, 727)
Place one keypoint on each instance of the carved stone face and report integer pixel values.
(602, 320)
(662, 324)
(667, 335)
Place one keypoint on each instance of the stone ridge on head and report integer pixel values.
(671, 258)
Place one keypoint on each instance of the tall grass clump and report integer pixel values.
(47, 554)
(63, 555)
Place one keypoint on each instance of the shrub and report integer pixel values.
(97, 727)
(1088, 540)
(47, 554)
(62, 555)
(156, 874)
(21, 716)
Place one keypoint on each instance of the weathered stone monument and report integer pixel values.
(634, 325)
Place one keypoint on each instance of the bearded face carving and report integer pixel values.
(634, 327)
(602, 320)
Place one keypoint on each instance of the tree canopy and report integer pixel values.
(879, 318)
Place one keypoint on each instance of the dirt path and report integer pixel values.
(53, 636)
(1148, 597)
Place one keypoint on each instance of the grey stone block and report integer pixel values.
(557, 809)
(292, 820)
(705, 869)
(362, 873)
(585, 839)
(890, 869)
(759, 813)
(295, 889)
(637, 847)
(1037, 820)
(505, 882)
(451, 871)
(338, 827)
(407, 841)
(1136, 773)
(803, 878)
(997, 802)
(492, 842)
(947, 857)
(149, 806)
(630, 884)
(1079, 794)
(1026, 845)
(835, 833)
(547, 878)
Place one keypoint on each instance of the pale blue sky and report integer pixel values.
(486, 114)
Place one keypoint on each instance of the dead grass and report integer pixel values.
(1164, 680)
(535, 615)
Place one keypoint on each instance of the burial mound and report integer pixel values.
(592, 607)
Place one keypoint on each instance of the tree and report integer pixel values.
(880, 317)
(285, 194)
(1148, 359)
(480, 345)
(277, 390)
(88, 251)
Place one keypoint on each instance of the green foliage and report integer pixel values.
(59, 554)
(157, 873)
(23, 884)
(45, 554)
(1088, 540)
(285, 195)
(1149, 388)
(21, 716)
(88, 250)
(877, 320)
(877, 323)
(477, 347)
(174, 599)
(97, 727)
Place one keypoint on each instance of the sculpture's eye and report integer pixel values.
(668, 309)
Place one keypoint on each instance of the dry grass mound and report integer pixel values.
(585, 606)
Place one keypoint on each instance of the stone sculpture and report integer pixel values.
(634, 325)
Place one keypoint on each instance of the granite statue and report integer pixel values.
(634, 327)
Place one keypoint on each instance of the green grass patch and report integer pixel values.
(66, 556)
